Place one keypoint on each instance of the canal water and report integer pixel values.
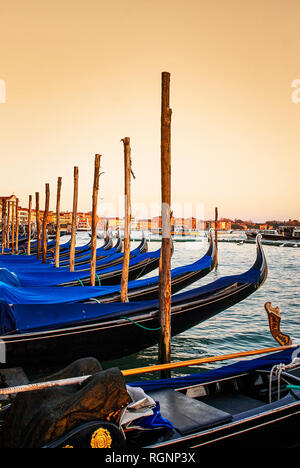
(242, 327)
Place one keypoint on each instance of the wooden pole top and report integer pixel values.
(94, 219)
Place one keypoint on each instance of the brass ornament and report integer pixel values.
(101, 439)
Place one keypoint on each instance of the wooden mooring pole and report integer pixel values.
(29, 224)
(8, 226)
(38, 224)
(216, 237)
(165, 260)
(74, 216)
(13, 207)
(94, 218)
(57, 238)
(3, 238)
(127, 185)
(45, 221)
(17, 225)
(106, 236)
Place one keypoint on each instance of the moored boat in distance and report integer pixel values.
(83, 226)
(282, 233)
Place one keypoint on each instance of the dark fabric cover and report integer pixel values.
(39, 417)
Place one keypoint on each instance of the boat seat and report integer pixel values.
(233, 403)
(187, 414)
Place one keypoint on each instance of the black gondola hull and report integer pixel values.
(110, 340)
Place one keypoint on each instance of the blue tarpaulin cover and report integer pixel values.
(49, 316)
(46, 295)
(21, 263)
(56, 276)
(9, 278)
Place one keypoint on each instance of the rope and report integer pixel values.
(143, 269)
(98, 279)
(139, 325)
(81, 283)
(277, 371)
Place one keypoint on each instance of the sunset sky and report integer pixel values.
(82, 75)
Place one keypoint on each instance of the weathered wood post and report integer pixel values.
(165, 261)
(45, 221)
(17, 225)
(8, 225)
(94, 218)
(3, 238)
(127, 185)
(38, 224)
(216, 237)
(29, 224)
(13, 227)
(57, 238)
(106, 231)
(74, 216)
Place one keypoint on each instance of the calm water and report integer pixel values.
(244, 326)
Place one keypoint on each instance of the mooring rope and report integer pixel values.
(277, 371)
(98, 279)
(139, 325)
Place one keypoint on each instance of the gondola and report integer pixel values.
(138, 290)
(52, 333)
(83, 254)
(64, 248)
(21, 241)
(104, 259)
(108, 272)
(64, 253)
(101, 254)
(82, 250)
(22, 256)
(108, 245)
(245, 405)
(50, 245)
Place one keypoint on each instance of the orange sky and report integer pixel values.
(81, 75)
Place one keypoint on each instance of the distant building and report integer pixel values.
(144, 224)
(222, 225)
(66, 217)
(9, 198)
(156, 222)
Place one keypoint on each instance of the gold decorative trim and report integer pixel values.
(101, 438)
